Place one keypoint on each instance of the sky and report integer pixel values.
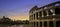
(19, 9)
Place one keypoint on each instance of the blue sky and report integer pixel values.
(19, 9)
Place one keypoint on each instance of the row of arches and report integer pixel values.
(52, 12)
(51, 24)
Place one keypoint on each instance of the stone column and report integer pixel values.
(47, 23)
(31, 17)
(55, 24)
(38, 24)
(42, 19)
(42, 24)
(47, 19)
(53, 11)
(35, 17)
(42, 14)
(33, 24)
(47, 12)
(54, 21)
(30, 24)
(38, 16)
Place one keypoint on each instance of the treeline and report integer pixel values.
(6, 20)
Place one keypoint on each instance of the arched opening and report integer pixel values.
(49, 11)
(57, 10)
(34, 16)
(34, 24)
(40, 14)
(51, 24)
(45, 24)
(40, 24)
(37, 15)
(45, 13)
(58, 24)
(37, 24)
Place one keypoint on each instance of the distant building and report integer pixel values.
(45, 16)
(5, 20)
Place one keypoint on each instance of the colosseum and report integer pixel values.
(45, 16)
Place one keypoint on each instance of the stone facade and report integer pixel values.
(45, 16)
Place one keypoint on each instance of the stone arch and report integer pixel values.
(45, 24)
(57, 23)
(51, 24)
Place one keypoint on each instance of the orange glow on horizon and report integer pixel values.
(17, 17)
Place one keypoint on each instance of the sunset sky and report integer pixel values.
(19, 9)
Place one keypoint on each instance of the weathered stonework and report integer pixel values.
(46, 16)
